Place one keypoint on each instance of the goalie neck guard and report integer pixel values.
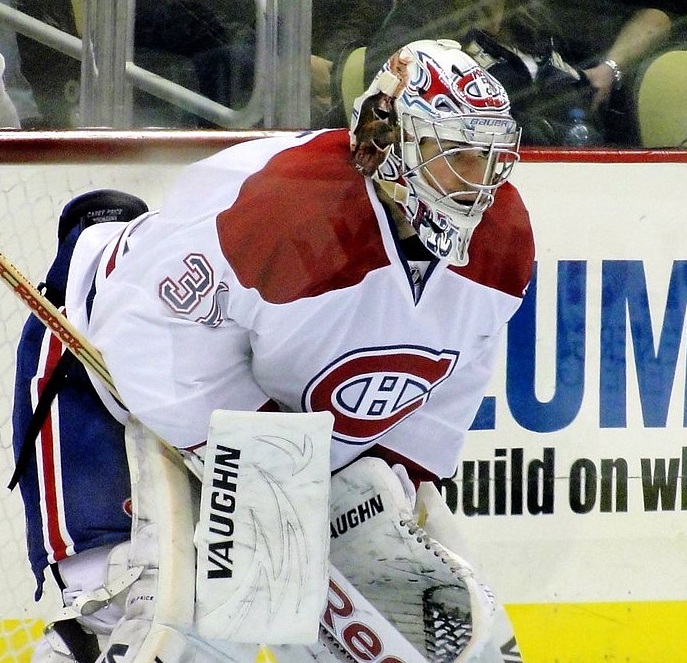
(434, 130)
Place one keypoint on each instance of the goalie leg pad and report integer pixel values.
(66, 642)
(159, 604)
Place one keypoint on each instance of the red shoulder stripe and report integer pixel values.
(303, 225)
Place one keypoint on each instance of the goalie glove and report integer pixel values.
(262, 533)
(427, 592)
(440, 523)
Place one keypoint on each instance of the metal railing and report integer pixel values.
(281, 91)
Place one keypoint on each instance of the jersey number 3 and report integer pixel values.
(182, 295)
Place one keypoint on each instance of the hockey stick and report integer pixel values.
(56, 322)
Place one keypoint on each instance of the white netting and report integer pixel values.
(32, 196)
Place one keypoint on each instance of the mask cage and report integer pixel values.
(495, 137)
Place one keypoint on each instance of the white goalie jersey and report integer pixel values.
(272, 277)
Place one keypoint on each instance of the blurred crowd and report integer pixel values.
(573, 71)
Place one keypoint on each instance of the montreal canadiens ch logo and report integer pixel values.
(370, 391)
(481, 90)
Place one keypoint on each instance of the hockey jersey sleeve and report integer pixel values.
(173, 354)
(158, 305)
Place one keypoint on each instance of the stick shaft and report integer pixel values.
(56, 322)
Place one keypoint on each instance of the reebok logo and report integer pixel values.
(354, 627)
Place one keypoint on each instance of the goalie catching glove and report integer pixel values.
(426, 592)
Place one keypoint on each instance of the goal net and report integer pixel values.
(38, 176)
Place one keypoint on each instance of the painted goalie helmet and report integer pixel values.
(433, 91)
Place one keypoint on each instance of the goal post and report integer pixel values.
(39, 173)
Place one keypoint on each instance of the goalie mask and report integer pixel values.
(435, 131)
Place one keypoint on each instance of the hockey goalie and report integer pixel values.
(300, 339)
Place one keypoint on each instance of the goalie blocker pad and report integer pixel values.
(263, 533)
(158, 624)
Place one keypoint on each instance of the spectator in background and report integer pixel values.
(640, 33)
(9, 119)
(205, 45)
(609, 40)
(589, 42)
(191, 42)
(513, 40)
(214, 37)
(53, 77)
(18, 88)
(337, 28)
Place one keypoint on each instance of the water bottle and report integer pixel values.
(580, 133)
